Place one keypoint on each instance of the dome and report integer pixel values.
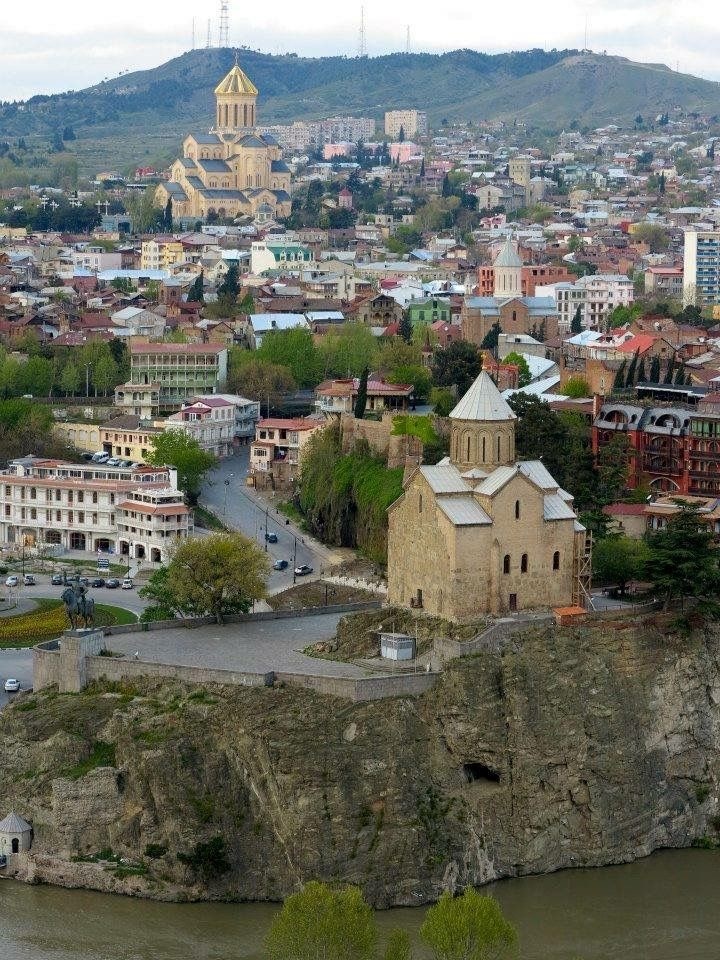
(483, 402)
(236, 83)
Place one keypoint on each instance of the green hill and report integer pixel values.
(142, 116)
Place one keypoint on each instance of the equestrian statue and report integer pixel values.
(78, 605)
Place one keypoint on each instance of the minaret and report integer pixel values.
(508, 272)
(236, 97)
(482, 429)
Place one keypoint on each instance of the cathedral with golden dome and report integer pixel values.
(232, 171)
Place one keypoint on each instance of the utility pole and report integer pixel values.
(267, 511)
(208, 42)
(224, 35)
(362, 46)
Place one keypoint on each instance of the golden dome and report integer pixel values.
(236, 82)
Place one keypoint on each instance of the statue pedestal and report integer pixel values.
(76, 645)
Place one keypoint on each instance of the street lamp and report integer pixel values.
(227, 484)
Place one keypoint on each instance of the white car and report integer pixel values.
(127, 584)
(12, 685)
(12, 581)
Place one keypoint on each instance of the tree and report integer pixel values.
(630, 379)
(456, 365)
(576, 387)
(68, 134)
(683, 561)
(168, 217)
(492, 338)
(296, 350)
(405, 329)
(470, 927)
(175, 448)
(361, 399)
(71, 378)
(401, 135)
(260, 380)
(322, 923)
(619, 381)
(576, 322)
(105, 374)
(196, 293)
(669, 370)
(641, 374)
(517, 360)
(230, 287)
(346, 352)
(442, 401)
(656, 237)
(618, 559)
(218, 575)
(37, 376)
(655, 370)
(415, 374)
(613, 464)
(398, 946)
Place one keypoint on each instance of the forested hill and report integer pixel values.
(543, 88)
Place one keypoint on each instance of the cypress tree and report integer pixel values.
(576, 322)
(641, 375)
(670, 370)
(405, 329)
(655, 370)
(680, 375)
(196, 293)
(619, 381)
(361, 400)
(630, 379)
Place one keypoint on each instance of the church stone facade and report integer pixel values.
(481, 533)
(231, 171)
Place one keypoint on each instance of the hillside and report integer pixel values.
(142, 116)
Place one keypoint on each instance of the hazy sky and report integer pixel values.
(48, 46)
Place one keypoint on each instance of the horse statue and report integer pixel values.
(78, 605)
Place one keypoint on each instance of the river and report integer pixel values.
(666, 907)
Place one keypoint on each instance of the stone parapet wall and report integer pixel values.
(120, 668)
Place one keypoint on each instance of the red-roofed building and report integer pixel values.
(276, 454)
(339, 396)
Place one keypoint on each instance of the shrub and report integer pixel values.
(155, 850)
(207, 860)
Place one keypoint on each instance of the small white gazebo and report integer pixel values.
(15, 835)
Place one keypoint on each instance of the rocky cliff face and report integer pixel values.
(575, 748)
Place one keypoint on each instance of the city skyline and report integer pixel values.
(46, 50)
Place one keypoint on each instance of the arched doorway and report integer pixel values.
(77, 541)
(15, 845)
(139, 551)
(155, 555)
(103, 545)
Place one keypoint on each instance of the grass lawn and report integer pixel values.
(291, 511)
(49, 620)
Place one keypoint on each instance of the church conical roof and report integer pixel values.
(236, 82)
(14, 824)
(483, 401)
(508, 256)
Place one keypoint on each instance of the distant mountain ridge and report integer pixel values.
(545, 89)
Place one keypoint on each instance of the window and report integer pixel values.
(524, 563)
(517, 509)
(498, 449)
(420, 503)
(556, 560)
(506, 563)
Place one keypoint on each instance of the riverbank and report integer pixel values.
(660, 908)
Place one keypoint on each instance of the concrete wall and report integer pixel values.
(64, 662)
(397, 450)
(111, 668)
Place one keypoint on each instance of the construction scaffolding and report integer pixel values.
(582, 571)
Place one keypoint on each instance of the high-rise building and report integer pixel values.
(701, 268)
(413, 123)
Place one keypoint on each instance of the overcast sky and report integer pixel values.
(48, 46)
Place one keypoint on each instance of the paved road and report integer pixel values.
(226, 494)
(17, 664)
(255, 647)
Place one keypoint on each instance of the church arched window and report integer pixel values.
(235, 112)
(556, 560)
(498, 448)
(517, 509)
(483, 449)
(524, 563)
(514, 315)
(468, 450)
(245, 116)
(506, 563)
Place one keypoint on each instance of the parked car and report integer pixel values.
(97, 582)
(113, 462)
(100, 457)
(57, 580)
(3, 860)
(112, 584)
(280, 565)
(271, 537)
(303, 570)
(29, 580)
(12, 685)
(12, 581)
(87, 456)
(127, 584)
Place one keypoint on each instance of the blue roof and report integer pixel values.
(187, 163)
(279, 166)
(214, 166)
(175, 190)
(206, 138)
(252, 141)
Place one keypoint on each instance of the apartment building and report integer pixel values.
(210, 422)
(246, 414)
(664, 283)
(159, 254)
(82, 506)
(413, 123)
(701, 267)
(301, 135)
(174, 372)
(673, 449)
(276, 452)
(150, 522)
(128, 436)
(596, 295)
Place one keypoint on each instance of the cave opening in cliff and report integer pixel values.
(479, 773)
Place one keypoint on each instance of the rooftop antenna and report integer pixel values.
(224, 37)
(193, 34)
(407, 40)
(209, 37)
(362, 46)
(586, 35)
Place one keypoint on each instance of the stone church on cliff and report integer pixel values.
(480, 532)
(232, 171)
